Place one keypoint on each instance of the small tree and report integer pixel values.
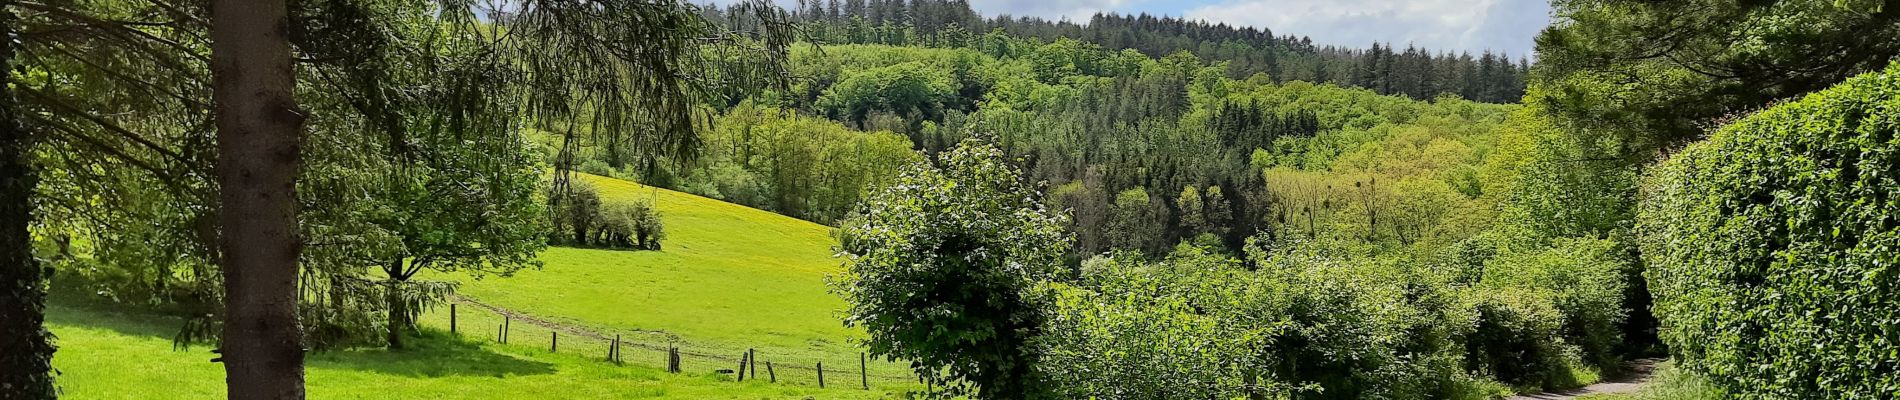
(1134, 224)
(647, 228)
(577, 210)
(629, 224)
(947, 268)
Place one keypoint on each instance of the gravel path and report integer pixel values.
(1636, 374)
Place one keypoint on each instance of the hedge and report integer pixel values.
(1774, 247)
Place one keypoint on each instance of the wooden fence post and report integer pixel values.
(741, 371)
(498, 337)
(864, 378)
(507, 325)
(554, 342)
(452, 318)
(673, 359)
(821, 374)
(753, 355)
(769, 372)
(614, 353)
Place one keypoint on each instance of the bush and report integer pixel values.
(1583, 280)
(949, 268)
(1773, 247)
(576, 212)
(630, 224)
(1314, 320)
(581, 219)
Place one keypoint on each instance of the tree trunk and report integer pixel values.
(26, 353)
(394, 297)
(258, 155)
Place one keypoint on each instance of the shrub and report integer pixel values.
(1514, 336)
(1773, 247)
(582, 219)
(648, 231)
(1583, 279)
(630, 224)
(948, 268)
(1314, 320)
(576, 212)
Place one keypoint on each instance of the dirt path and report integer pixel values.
(1636, 373)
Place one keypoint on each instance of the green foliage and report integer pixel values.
(1582, 279)
(1657, 73)
(796, 165)
(948, 268)
(1415, 72)
(1670, 382)
(1771, 247)
(631, 224)
(1181, 329)
(583, 218)
(1134, 222)
(911, 90)
(1310, 320)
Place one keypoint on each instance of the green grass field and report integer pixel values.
(105, 355)
(729, 279)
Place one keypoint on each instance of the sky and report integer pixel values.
(1441, 25)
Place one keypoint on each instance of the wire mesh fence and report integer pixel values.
(474, 319)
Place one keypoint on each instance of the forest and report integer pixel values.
(1696, 198)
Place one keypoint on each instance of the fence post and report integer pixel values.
(673, 359)
(864, 378)
(614, 353)
(753, 356)
(769, 372)
(498, 338)
(741, 371)
(821, 374)
(507, 325)
(554, 342)
(452, 318)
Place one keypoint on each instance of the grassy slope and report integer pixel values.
(727, 274)
(106, 355)
(730, 278)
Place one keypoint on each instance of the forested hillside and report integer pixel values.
(1135, 207)
(1384, 68)
(1162, 174)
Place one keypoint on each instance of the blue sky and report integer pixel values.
(1450, 25)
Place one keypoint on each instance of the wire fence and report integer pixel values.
(471, 318)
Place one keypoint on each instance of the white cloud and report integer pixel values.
(1449, 25)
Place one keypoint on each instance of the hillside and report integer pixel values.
(730, 278)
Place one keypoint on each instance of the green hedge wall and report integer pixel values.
(1774, 247)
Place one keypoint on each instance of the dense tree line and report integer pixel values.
(1339, 313)
(1386, 69)
(1146, 152)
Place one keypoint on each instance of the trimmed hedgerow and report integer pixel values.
(1774, 247)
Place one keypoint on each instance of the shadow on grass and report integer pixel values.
(431, 354)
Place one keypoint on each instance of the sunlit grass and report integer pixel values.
(730, 278)
(106, 355)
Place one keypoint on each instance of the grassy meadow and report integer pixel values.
(729, 279)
